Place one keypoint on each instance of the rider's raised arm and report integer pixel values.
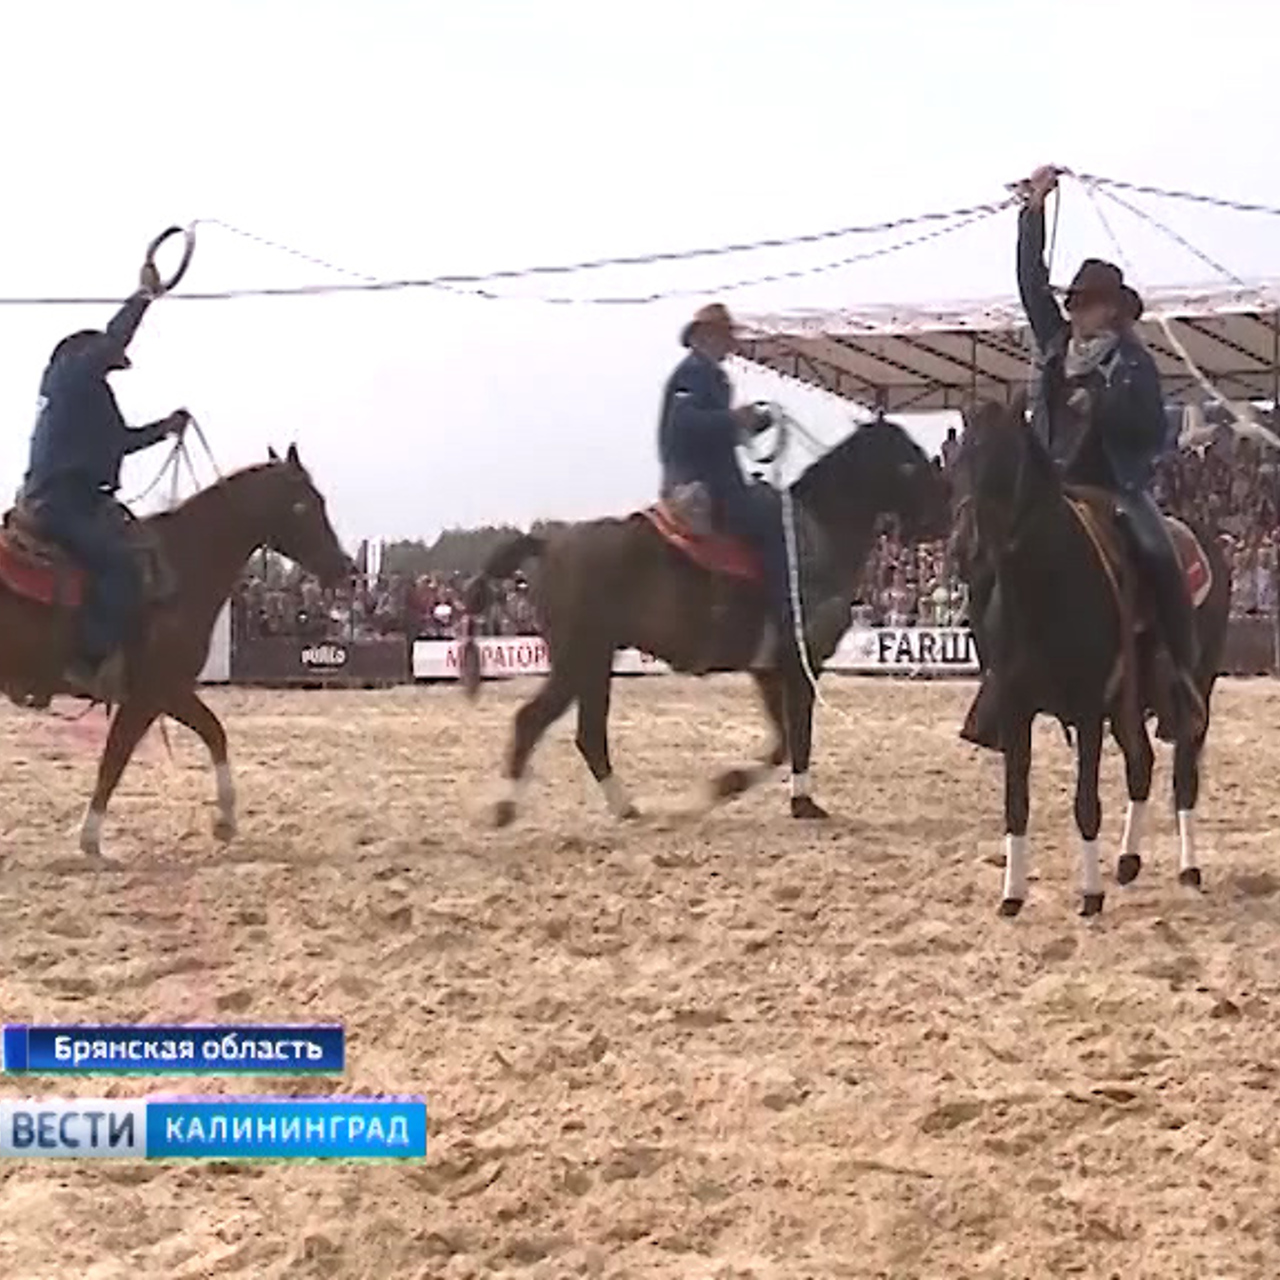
(124, 324)
(1043, 312)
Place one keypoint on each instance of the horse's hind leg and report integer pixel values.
(1089, 814)
(595, 691)
(533, 719)
(733, 782)
(191, 710)
(1139, 761)
(1186, 795)
(130, 722)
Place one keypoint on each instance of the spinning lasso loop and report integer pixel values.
(188, 249)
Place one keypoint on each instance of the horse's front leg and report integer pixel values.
(1139, 763)
(733, 782)
(595, 689)
(1017, 811)
(799, 694)
(130, 722)
(1089, 814)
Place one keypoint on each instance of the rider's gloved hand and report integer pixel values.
(178, 421)
(149, 280)
(753, 418)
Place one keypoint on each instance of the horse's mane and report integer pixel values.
(885, 432)
(220, 485)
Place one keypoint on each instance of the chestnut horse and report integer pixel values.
(189, 559)
(695, 600)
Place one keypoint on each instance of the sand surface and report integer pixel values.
(731, 1046)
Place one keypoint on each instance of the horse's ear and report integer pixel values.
(272, 455)
(292, 456)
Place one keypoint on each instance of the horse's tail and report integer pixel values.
(501, 565)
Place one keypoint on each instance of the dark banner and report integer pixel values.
(280, 660)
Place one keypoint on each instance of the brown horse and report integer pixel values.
(190, 559)
(694, 600)
(1074, 632)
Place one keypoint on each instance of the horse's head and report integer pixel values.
(292, 511)
(999, 470)
(879, 470)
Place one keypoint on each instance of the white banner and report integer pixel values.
(922, 650)
(513, 656)
(926, 650)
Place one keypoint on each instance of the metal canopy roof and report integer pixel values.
(932, 359)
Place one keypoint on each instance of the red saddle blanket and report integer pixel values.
(38, 571)
(715, 552)
(1195, 560)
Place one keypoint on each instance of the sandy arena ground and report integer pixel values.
(732, 1046)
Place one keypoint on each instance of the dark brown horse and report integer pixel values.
(190, 559)
(1076, 641)
(695, 601)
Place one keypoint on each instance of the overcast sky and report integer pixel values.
(408, 139)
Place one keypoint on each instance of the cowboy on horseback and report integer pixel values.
(698, 438)
(1092, 367)
(77, 447)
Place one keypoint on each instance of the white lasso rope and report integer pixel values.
(789, 427)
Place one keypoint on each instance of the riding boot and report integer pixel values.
(99, 681)
(1178, 631)
(982, 725)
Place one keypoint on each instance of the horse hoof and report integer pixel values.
(1127, 868)
(224, 830)
(803, 807)
(504, 813)
(1091, 905)
(1189, 878)
(732, 782)
(1010, 907)
(629, 814)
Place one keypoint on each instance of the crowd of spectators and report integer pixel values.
(422, 607)
(1232, 484)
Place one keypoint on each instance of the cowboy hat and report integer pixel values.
(1097, 281)
(715, 315)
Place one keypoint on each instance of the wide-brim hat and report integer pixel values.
(1101, 281)
(715, 315)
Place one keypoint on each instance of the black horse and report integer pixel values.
(1075, 638)
(647, 581)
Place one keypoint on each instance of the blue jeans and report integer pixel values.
(79, 519)
(753, 516)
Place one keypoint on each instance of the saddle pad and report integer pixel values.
(714, 552)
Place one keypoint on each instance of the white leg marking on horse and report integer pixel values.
(1135, 819)
(615, 795)
(799, 785)
(1090, 868)
(1187, 840)
(1015, 868)
(91, 833)
(225, 826)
